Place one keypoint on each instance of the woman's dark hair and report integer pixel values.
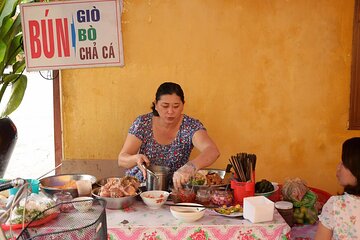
(167, 88)
(351, 160)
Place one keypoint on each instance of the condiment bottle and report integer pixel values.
(61, 198)
(286, 210)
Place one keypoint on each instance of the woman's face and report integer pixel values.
(344, 176)
(169, 107)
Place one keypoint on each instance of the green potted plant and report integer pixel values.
(12, 66)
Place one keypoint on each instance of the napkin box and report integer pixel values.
(258, 209)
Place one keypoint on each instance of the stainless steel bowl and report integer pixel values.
(49, 184)
(115, 203)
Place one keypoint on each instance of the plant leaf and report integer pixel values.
(16, 96)
(8, 9)
(15, 49)
(2, 51)
(19, 66)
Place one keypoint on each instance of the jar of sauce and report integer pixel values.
(286, 210)
(183, 195)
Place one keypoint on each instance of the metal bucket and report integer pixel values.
(160, 180)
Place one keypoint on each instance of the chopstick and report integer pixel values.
(184, 205)
(244, 166)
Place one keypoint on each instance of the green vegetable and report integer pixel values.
(30, 215)
(197, 181)
(263, 186)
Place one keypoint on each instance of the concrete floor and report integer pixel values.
(33, 154)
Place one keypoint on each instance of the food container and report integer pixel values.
(82, 204)
(222, 175)
(154, 199)
(115, 203)
(258, 209)
(63, 197)
(286, 210)
(203, 196)
(184, 195)
(188, 214)
(220, 198)
(58, 183)
(160, 181)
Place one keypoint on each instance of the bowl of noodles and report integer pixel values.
(64, 183)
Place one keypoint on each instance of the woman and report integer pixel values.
(166, 137)
(340, 217)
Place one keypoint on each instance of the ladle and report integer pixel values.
(150, 171)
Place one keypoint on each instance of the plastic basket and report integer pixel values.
(90, 225)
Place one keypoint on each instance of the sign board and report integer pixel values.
(72, 34)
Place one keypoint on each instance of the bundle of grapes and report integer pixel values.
(303, 199)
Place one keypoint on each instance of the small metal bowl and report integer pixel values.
(50, 185)
(115, 203)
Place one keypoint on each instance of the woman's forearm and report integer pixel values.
(207, 157)
(126, 160)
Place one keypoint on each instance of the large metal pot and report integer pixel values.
(160, 181)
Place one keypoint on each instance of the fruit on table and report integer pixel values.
(304, 215)
(263, 186)
(227, 210)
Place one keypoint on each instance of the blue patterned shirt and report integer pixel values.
(173, 155)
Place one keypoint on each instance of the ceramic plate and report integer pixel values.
(235, 214)
(236, 211)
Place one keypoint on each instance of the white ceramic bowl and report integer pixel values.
(188, 214)
(154, 199)
(82, 204)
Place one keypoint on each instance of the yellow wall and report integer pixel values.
(269, 77)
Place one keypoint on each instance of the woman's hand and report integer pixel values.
(142, 161)
(184, 174)
(129, 156)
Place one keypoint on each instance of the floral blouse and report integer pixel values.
(341, 214)
(173, 155)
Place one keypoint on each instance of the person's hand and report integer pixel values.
(141, 161)
(183, 175)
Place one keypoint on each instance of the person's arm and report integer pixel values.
(323, 233)
(129, 156)
(208, 150)
(208, 155)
